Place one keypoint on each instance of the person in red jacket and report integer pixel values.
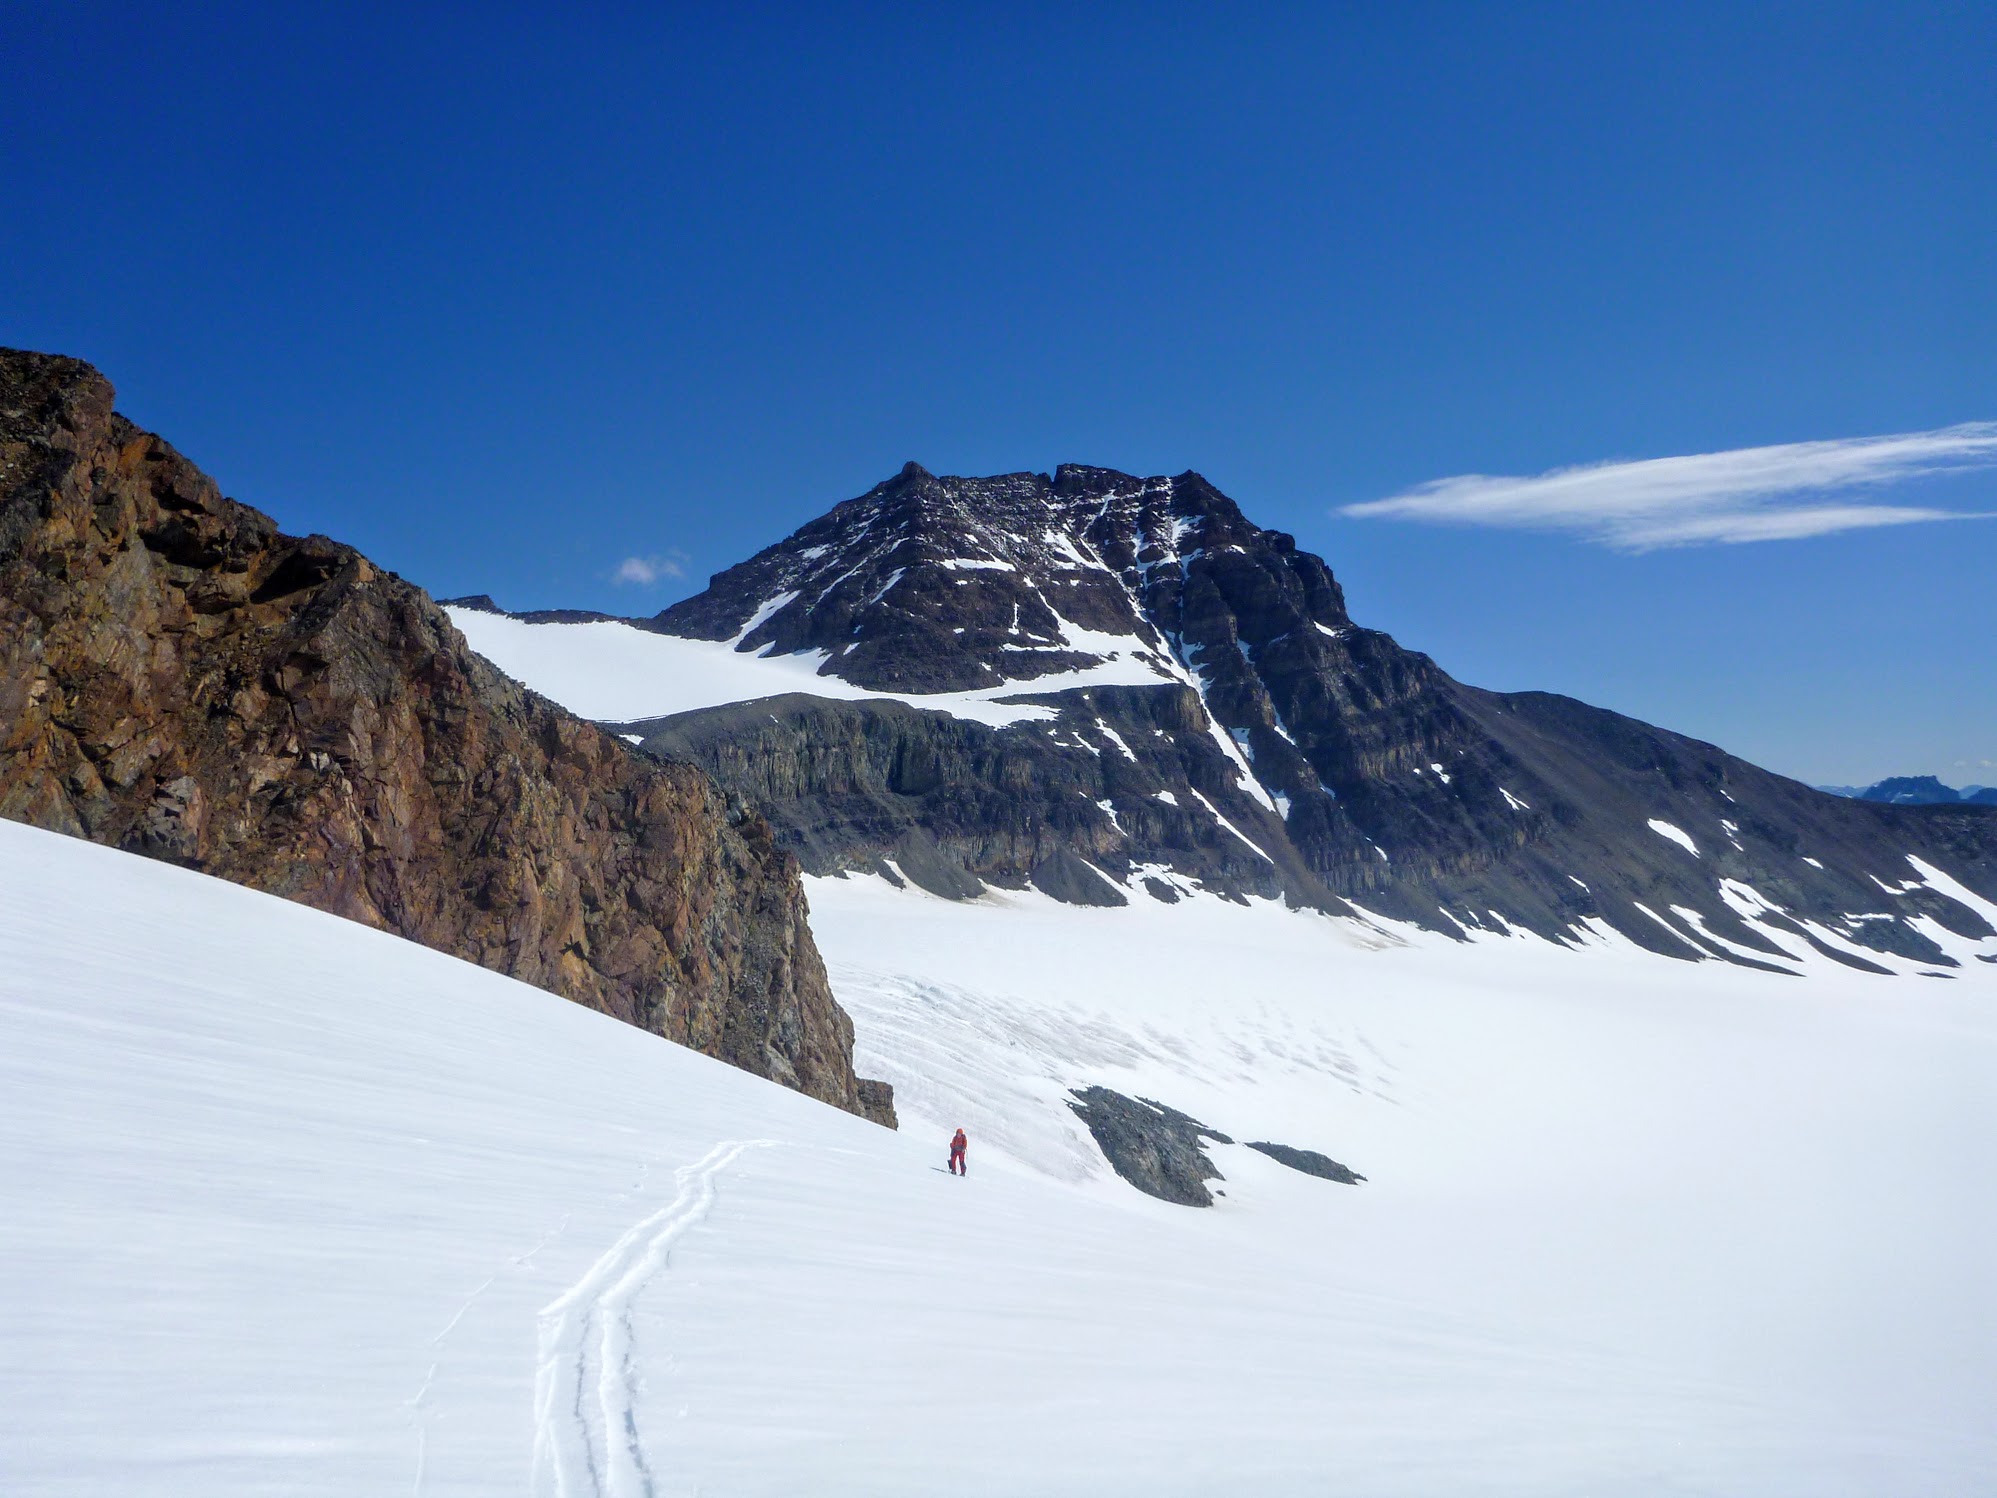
(957, 1147)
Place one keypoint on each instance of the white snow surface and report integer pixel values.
(615, 672)
(298, 1207)
(1677, 835)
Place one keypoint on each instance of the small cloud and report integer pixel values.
(1776, 493)
(643, 572)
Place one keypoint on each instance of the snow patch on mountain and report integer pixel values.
(1214, 812)
(1677, 835)
(755, 621)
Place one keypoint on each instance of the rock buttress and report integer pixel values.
(179, 678)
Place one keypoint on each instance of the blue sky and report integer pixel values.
(508, 297)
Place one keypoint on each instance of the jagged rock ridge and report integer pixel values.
(178, 678)
(1210, 715)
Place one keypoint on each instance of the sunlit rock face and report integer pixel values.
(181, 679)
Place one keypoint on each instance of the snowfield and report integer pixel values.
(297, 1207)
(614, 672)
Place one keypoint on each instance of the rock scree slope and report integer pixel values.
(179, 678)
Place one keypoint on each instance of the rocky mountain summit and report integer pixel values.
(1109, 686)
(181, 679)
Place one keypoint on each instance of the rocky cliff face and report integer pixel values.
(180, 679)
(1211, 716)
(1121, 778)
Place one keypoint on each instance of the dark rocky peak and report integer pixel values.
(921, 584)
(1214, 719)
(928, 584)
(945, 584)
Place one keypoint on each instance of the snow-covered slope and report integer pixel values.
(612, 671)
(297, 1207)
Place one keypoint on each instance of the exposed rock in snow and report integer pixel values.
(1155, 1148)
(1310, 1162)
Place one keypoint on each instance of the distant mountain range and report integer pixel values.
(1916, 790)
(1113, 688)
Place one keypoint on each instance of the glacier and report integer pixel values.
(299, 1207)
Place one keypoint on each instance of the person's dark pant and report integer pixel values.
(957, 1165)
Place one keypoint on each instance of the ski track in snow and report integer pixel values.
(587, 1352)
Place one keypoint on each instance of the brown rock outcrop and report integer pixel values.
(179, 678)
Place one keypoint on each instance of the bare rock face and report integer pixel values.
(954, 804)
(179, 678)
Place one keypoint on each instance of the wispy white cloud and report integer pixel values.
(645, 571)
(1774, 493)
